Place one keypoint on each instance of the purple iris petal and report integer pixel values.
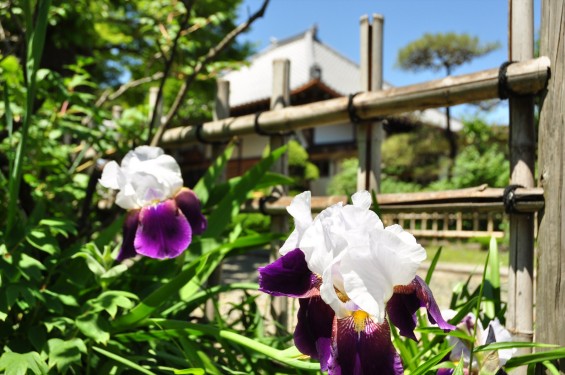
(287, 276)
(406, 300)
(369, 351)
(313, 333)
(129, 229)
(401, 310)
(189, 204)
(445, 371)
(163, 231)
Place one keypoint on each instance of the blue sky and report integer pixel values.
(405, 21)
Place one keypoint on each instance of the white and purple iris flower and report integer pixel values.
(162, 214)
(350, 273)
(483, 362)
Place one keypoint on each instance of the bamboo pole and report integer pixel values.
(370, 135)
(550, 287)
(153, 93)
(525, 77)
(221, 111)
(522, 158)
(279, 224)
(466, 200)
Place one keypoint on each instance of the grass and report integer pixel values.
(464, 254)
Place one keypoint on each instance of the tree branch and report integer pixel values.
(126, 86)
(168, 65)
(212, 53)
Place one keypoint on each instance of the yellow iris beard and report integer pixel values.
(359, 316)
(359, 319)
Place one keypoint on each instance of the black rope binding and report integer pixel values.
(201, 138)
(509, 199)
(352, 112)
(262, 132)
(504, 92)
(263, 203)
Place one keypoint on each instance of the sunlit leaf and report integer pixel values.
(22, 363)
(95, 326)
(63, 354)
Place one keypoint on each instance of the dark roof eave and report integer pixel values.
(314, 83)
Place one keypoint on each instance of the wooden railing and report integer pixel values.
(464, 213)
(457, 225)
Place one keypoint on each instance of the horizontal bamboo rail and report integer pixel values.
(527, 77)
(479, 199)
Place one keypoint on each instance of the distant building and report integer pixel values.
(317, 72)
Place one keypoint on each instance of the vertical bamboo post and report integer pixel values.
(522, 155)
(490, 223)
(550, 286)
(153, 92)
(117, 111)
(221, 111)
(370, 135)
(279, 223)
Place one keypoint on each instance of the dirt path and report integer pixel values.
(446, 277)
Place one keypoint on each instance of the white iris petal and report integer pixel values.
(331, 282)
(501, 334)
(146, 175)
(316, 249)
(300, 210)
(110, 175)
(358, 259)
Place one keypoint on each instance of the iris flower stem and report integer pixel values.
(478, 310)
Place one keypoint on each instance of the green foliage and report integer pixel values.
(417, 161)
(431, 351)
(482, 160)
(66, 306)
(21, 364)
(299, 167)
(419, 156)
(442, 51)
(345, 181)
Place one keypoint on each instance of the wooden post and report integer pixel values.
(153, 91)
(221, 111)
(117, 111)
(279, 224)
(550, 298)
(370, 135)
(522, 154)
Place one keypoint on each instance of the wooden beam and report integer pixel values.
(550, 286)
(527, 77)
